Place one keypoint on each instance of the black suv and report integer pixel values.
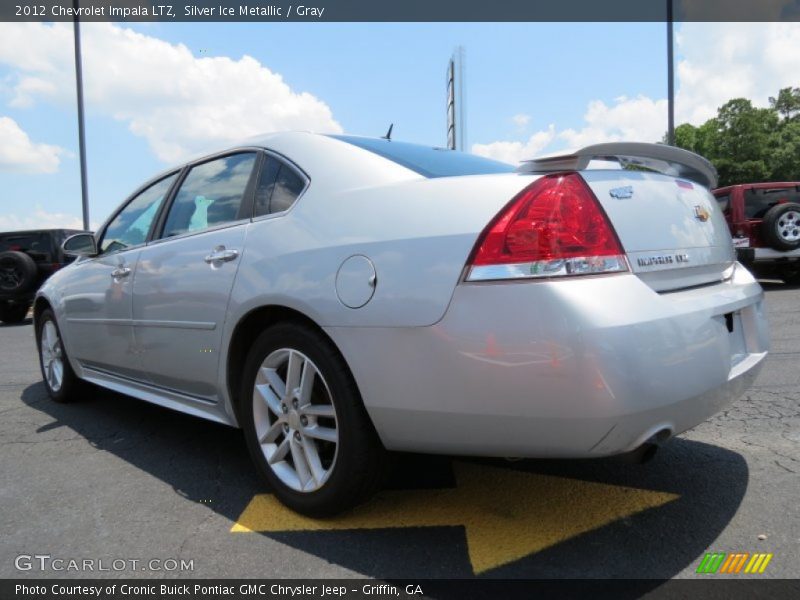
(27, 258)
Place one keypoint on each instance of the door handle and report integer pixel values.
(120, 272)
(220, 254)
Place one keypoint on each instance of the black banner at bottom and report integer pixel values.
(361, 589)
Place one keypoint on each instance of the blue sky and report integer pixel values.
(529, 88)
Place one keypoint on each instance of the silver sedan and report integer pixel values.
(337, 297)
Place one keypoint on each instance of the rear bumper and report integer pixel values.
(572, 368)
(764, 254)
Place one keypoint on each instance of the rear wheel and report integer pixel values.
(13, 312)
(781, 226)
(305, 425)
(60, 380)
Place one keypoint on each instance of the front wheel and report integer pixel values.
(60, 380)
(305, 425)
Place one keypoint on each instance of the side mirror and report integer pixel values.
(80, 244)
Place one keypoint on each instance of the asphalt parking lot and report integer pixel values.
(113, 478)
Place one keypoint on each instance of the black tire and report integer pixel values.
(71, 387)
(18, 272)
(13, 312)
(782, 221)
(360, 456)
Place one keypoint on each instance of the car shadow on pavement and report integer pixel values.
(202, 461)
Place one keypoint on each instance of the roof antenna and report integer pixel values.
(388, 135)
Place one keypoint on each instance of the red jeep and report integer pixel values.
(764, 219)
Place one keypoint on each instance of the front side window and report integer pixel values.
(211, 194)
(131, 225)
(279, 185)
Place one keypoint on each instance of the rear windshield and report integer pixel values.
(427, 160)
(758, 202)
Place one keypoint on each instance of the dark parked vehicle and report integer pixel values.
(764, 219)
(27, 258)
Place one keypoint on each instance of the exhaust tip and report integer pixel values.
(647, 451)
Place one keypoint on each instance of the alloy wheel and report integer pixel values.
(295, 420)
(52, 357)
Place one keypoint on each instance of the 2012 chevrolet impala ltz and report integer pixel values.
(338, 296)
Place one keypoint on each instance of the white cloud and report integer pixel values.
(40, 219)
(733, 60)
(636, 119)
(521, 120)
(720, 61)
(180, 103)
(633, 119)
(18, 153)
(513, 152)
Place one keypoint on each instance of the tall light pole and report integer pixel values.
(670, 80)
(81, 129)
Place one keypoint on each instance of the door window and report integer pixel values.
(211, 195)
(131, 226)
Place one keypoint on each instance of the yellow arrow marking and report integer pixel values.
(506, 514)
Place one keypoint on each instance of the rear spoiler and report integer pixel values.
(656, 157)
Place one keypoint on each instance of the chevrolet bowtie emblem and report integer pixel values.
(701, 214)
(622, 193)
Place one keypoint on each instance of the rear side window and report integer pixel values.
(724, 202)
(429, 161)
(279, 185)
(210, 195)
(758, 201)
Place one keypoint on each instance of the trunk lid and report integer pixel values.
(672, 230)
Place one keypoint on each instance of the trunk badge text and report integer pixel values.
(701, 214)
(622, 193)
(662, 259)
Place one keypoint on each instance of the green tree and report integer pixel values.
(785, 156)
(749, 144)
(787, 103)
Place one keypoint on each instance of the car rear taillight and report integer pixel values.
(554, 227)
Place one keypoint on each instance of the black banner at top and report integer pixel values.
(399, 10)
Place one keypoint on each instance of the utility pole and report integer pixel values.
(81, 128)
(670, 80)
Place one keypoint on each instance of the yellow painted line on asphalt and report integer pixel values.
(507, 514)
